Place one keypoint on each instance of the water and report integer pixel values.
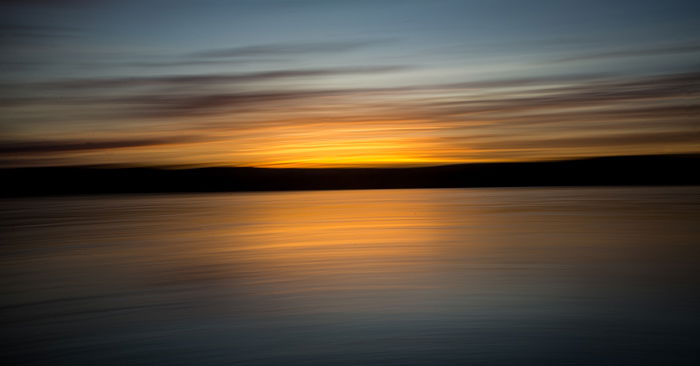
(541, 276)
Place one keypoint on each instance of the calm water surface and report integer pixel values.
(537, 276)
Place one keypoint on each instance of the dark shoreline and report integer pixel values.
(649, 170)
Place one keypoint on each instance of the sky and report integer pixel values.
(325, 83)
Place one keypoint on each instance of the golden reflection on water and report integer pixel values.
(326, 241)
(444, 276)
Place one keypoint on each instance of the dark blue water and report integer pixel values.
(541, 276)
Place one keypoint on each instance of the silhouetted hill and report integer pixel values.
(626, 170)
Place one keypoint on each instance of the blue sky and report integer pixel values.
(345, 83)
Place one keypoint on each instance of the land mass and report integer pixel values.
(604, 171)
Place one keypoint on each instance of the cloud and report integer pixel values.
(519, 82)
(583, 114)
(17, 34)
(208, 79)
(653, 51)
(51, 3)
(188, 105)
(177, 105)
(267, 53)
(585, 94)
(640, 112)
(42, 147)
(286, 49)
(550, 99)
(36, 161)
(603, 140)
(155, 64)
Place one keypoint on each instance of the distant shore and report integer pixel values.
(604, 171)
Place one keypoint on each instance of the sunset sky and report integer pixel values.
(325, 83)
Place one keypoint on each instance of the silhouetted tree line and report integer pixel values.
(628, 170)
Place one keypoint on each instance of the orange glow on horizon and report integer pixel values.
(305, 144)
(356, 162)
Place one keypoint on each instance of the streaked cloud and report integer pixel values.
(199, 62)
(602, 92)
(345, 83)
(286, 49)
(636, 52)
(12, 34)
(43, 2)
(594, 141)
(43, 147)
(208, 79)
